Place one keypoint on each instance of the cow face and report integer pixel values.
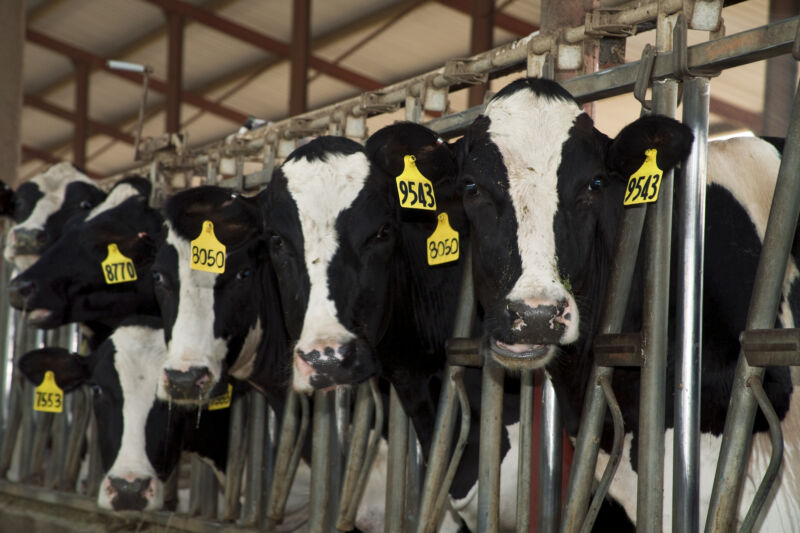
(212, 321)
(543, 191)
(42, 206)
(123, 373)
(67, 283)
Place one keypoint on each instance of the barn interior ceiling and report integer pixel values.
(231, 59)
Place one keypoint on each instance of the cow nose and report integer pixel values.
(130, 495)
(29, 240)
(20, 292)
(188, 384)
(536, 321)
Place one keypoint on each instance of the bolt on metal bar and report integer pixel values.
(689, 306)
(396, 467)
(767, 289)
(237, 442)
(490, 433)
(652, 395)
(550, 451)
(525, 455)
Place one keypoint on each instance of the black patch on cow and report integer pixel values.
(541, 87)
(108, 402)
(321, 147)
(6, 200)
(166, 286)
(25, 201)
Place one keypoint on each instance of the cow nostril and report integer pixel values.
(20, 291)
(129, 495)
(188, 384)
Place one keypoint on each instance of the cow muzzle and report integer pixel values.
(529, 329)
(28, 241)
(132, 494)
(191, 384)
(324, 366)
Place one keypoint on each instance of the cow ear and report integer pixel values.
(142, 185)
(669, 137)
(6, 200)
(70, 370)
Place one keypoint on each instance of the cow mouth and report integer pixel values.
(39, 317)
(537, 354)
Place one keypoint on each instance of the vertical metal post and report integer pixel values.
(237, 439)
(174, 71)
(255, 496)
(550, 451)
(781, 227)
(689, 306)
(649, 510)
(81, 125)
(524, 476)
(481, 38)
(491, 430)
(6, 345)
(299, 56)
(396, 467)
(324, 436)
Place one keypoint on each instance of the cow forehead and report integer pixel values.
(118, 195)
(188, 277)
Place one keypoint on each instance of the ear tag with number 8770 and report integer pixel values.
(48, 395)
(117, 268)
(414, 190)
(208, 254)
(644, 184)
(443, 244)
(223, 401)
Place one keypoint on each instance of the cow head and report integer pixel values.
(543, 190)
(335, 231)
(213, 322)
(67, 283)
(41, 207)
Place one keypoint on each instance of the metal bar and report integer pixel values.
(257, 431)
(174, 71)
(320, 519)
(81, 124)
(481, 37)
(525, 460)
(195, 482)
(344, 401)
(550, 451)
(209, 486)
(415, 473)
(237, 443)
(491, 430)
(299, 55)
(95, 474)
(81, 415)
(396, 466)
(689, 306)
(781, 226)
(356, 458)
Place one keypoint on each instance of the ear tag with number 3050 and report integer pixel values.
(48, 395)
(644, 184)
(223, 401)
(117, 268)
(414, 190)
(208, 254)
(443, 244)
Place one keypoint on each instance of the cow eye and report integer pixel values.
(96, 390)
(596, 184)
(158, 277)
(276, 241)
(470, 187)
(86, 204)
(384, 232)
(244, 273)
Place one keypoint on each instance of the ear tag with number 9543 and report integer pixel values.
(223, 401)
(48, 395)
(644, 184)
(117, 268)
(414, 190)
(443, 244)
(208, 254)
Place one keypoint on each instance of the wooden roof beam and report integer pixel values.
(41, 104)
(188, 97)
(265, 42)
(29, 152)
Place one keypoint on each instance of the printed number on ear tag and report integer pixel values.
(116, 267)
(644, 184)
(208, 254)
(443, 244)
(49, 396)
(414, 190)
(223, 401)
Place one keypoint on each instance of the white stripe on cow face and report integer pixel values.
(192, 342)
(530, 131)
(140, 352)
(322, 190)
(119, 194)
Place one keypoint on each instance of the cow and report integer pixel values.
(40, 208)
(358, 295)
(69, 282)
(140, 437)
(543, 190)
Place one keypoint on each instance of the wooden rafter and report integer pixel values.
(41, 104)
(29, 152)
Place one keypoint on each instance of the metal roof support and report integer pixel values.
(174, 71)
(299, 56)
(81, 125)
(779, 80)
(12, 29)
(501, 20)
(96, 127)
(482, 13)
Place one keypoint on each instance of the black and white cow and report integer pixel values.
(66, 284)
(358, 295)
(41, 207)
(140, 437)
(543, 190)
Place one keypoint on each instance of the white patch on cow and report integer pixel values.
(783, 506)
(467, 507)
(118, 194)
(140, 352)
(529, 131)
(245, 362)
(193, 342)
(322, 190)
(52, 184)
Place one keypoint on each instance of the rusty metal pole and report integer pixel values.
(299, 56)
(81, 126)
(482, 14)
(174, 71)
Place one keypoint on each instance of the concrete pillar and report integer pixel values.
(12, 42)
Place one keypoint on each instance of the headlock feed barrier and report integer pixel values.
(43, 452)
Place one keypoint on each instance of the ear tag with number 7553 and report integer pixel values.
(208, 254)
(644, 184)
(414, 190)
(443, 244)
(48, 395)
(117, 268)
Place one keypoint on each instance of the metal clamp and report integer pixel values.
(644, 76)
(372, 103)
(303, 127)
(680, 53)
(796, 45)
(600, 23)
(460, 71)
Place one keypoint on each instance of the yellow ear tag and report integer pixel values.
(49, 396)
(443, 244)
(223, 401)
(644, 184)
(208, 254)
(414, 190)
(116, 267)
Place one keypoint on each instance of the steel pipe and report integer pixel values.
(256, 442)
(550, 452)
(490, 433)
(237, 444)
(396, 467)
(321, 461)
